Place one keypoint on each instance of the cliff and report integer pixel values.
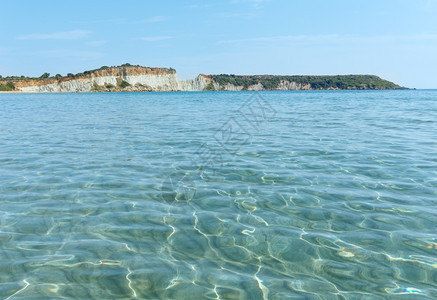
(123, 78)
(137, 78)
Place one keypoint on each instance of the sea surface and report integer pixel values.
(219, 195)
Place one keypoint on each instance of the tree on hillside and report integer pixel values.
(45, 75)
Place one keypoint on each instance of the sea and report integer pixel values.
(219, 195)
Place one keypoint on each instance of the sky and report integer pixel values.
(394, 39)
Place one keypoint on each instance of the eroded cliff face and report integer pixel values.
(131, 71)
(168, 82)
(138, 79)
(284, 85)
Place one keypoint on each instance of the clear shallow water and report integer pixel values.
(277, 195)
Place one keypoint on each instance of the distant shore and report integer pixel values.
(129, 78)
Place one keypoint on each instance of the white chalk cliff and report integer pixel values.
(139, 79)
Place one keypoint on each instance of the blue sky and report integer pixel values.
(395, 39)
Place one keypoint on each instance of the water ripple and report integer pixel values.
(116, 196)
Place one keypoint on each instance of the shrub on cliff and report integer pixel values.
(7, 87)
(124, 84)
(210, 87)
(271, 83)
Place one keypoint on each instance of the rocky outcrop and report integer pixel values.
(286, 85)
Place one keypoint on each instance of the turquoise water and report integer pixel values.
(219, 195)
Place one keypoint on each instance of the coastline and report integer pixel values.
(128, 78)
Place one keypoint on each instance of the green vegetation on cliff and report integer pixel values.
(124, 84)
(343, 82)
(7, 87)
(209, 87)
